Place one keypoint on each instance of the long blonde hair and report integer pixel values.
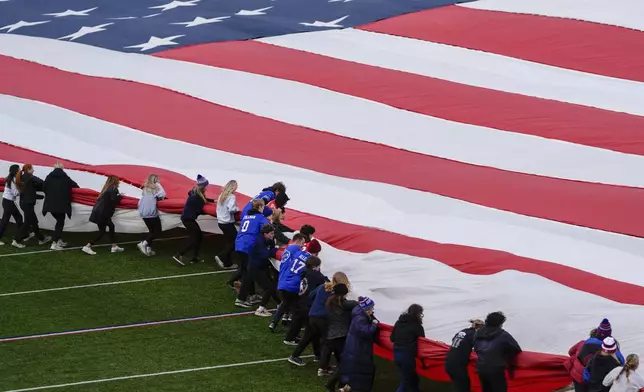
(112, 180)
(151, 183)
(338, 278)
(229, 189)
(632, 363)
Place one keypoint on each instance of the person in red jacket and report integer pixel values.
(574, 367)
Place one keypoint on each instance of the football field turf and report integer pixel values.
(126, 322)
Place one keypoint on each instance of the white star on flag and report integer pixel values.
(83, 31)
(201, 21)
(154, 42)
(253, 12)
(20, 24)
(333, 23)
(150, 16)
(175, 4)
(72, 13)
(339, 1)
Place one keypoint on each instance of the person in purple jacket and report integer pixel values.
(357, 369)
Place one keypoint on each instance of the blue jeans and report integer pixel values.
(406, 362)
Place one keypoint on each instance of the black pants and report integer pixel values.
(31, 223)
(101, 232)
(336, 346)
(60, 225)
(288, 304)
(332, 346)
(9, 209)
(230, 233)
(460, 377)
(300, 318)
(580, 387)
(313, 334)
(493, 380)
(194, 242)
(262, 277)
(154, 229)
(406, 362)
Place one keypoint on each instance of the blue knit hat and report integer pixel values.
(366, 303)
(202, 181)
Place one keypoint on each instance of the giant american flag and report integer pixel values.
(471, 157)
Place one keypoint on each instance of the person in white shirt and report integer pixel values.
(625, 379)
(9, 197)
(226, 210)
(151, 193)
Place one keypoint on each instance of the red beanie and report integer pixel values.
(313, 246)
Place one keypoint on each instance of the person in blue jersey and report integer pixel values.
(288, 283)
(300, 313)
(249, 227)
(267, 195)
(258, 272)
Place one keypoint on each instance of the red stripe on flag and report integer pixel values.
(434, 97)
(360, 239)
(567, 43)
(177, 116)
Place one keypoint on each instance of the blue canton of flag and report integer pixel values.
(151, 25)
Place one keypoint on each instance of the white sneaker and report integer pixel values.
(219, 262)
(30, 236)
(143, 248)
(62, 244)
(262, 312)
(44, 240)
(117, 249)
(55, 246)
(88, 250)
(17, 244)
(150, 251)
(1, 243)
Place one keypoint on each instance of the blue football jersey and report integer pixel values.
(249, 227)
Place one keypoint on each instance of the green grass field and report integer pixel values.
(219, 354)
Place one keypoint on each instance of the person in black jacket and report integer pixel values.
(404, 336)
(458, 356)
(29, 185)
(102, 214)
(9, 196)
(58, 201)
(192, 209)
(496, 350)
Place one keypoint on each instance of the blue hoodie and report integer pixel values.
(319, 297)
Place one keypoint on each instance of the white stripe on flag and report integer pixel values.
(340, 114)
(471, 67)
(391, 208)
(624, 13)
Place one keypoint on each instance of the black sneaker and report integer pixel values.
(195, 260)
(296, 361)
(272, 327)
(231, 285)
(316, 358)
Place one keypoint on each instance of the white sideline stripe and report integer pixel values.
(155, 374)
(126, 326)
(113, 283)
(81, 247)
(348, 116)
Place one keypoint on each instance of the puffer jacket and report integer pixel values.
(573, 365)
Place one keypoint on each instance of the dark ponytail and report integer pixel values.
(13, 170)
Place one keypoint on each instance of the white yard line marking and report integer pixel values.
(231, 365)
(126, 326)
(35, 252)
(114, 283)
